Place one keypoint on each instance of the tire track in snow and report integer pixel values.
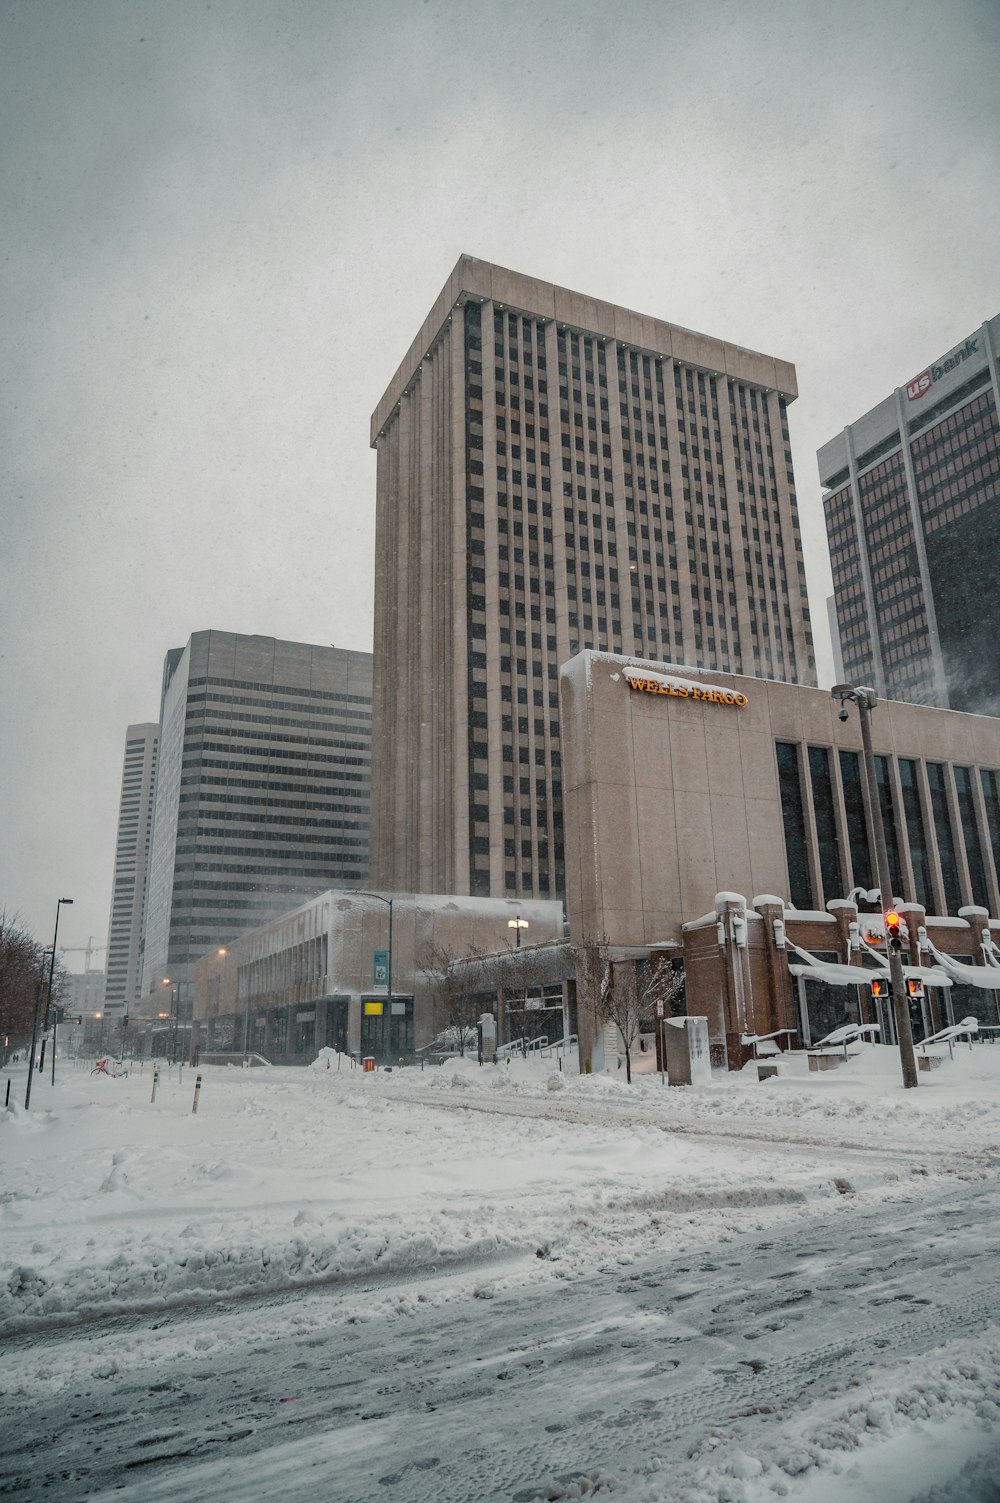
(945, 1157)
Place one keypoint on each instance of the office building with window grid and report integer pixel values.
(262, 793)
(135, 822)
(913, 522)
(557, 473)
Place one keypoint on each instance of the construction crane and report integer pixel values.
(88, 949)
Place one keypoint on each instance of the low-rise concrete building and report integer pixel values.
(319, 976)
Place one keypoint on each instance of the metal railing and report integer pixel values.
(231, 1057)
(522, 1046)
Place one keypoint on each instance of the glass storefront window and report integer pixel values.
(826, 824)
(794, 820)
(970, 831)
(936, 781)
(991, 798)
(857, 828)
(916, 834)
(884, 779)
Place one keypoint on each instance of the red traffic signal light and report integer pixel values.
(892, 934)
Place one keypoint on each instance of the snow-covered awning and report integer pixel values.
(856, 975)
(832, 973)
(985, 976)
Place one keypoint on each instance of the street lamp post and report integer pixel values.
(34, 1033)
(388, 970)
(52, 967)
(175, 992)
(866, 699)
(38, 1000)
(517, 924)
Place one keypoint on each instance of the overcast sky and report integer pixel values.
(224, 222)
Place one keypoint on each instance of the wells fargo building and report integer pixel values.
(699, 810)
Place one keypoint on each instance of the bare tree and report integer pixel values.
(455, 985)
(22, 964)
(623, 992)
(528, 974)
(592, 964)
(496, 977)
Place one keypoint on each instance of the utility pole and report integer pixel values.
(866, 700)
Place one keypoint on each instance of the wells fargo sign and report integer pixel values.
(646, 682)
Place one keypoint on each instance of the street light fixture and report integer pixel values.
(866, 700)
(518, 924)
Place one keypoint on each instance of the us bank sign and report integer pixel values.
(646, 681)
(922, 384)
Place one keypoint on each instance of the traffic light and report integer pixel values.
(892, 934)
(915, 988)
(880, 990)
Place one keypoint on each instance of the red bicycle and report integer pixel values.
(112, 1067)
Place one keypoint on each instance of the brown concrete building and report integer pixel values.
(557, 473)
(700, 810)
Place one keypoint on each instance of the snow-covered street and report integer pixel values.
(503, 1283)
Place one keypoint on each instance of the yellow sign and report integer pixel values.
(681, 690)
(373, 1009)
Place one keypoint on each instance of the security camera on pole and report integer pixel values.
(866, 700)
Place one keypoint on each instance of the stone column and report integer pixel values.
(780, 1005)
(731, 910)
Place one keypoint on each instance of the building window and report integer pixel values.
(883, 776)
(945, 836)
(857, 827)
(916, 833)
(826, 824)
(794, 820)
(970, 830)
(991, 799)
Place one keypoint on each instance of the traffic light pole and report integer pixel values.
(865, 701)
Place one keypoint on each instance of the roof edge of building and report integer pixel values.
(472, 277)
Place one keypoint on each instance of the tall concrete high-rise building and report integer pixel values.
(262, 793)
(135, 822)
(557, 473)
(913, 521)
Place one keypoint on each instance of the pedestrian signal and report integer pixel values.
(880, 990)
(915, 988)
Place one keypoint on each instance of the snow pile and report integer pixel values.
(198, 1268)
(330, 1059)
(960, 1101)
(925, 1431)
(288, 1178)
(925, 1411)
(291, 1178)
